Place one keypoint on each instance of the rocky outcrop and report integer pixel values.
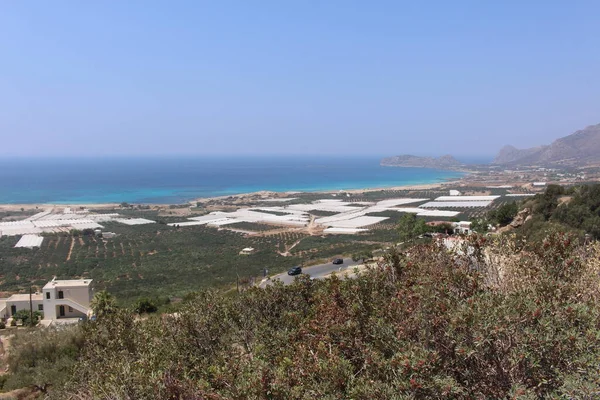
(522, 216)
(519, 220)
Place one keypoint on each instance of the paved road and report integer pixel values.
(315, 271)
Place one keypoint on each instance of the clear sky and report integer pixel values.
(254, 77)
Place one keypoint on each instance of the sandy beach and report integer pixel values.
(239, 197)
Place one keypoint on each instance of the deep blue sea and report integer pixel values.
(180, 179)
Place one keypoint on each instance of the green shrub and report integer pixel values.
(43, 358)
(426, 324)
(25, 317)
(145, 306)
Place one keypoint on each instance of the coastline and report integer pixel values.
(159, 182)
(240, 196)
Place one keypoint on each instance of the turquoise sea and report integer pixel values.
(180, 179)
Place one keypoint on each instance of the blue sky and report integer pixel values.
(265, 77)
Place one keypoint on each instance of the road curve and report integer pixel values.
(315, 271)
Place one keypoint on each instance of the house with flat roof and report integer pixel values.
(462, 227)
(60, 299)
(67, 299)
(18, 302)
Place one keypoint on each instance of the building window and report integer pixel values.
(40, 307)
(60, 294)
(48, 295)
(70, 309)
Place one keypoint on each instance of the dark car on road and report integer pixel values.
(295, 271)
(338, 261)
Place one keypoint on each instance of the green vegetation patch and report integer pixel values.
(251, 226)
(426, 324)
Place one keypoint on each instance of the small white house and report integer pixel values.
(455, 193)
(462, 227)
(18, 302)
(67, 299)
(60, 299)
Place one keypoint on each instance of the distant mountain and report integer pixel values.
(579, 148)
(509, 154)
(406, 160)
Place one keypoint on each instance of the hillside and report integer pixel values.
(578, 149)
(406, 160)
(509, 154)
(429, 325)
(574, 209)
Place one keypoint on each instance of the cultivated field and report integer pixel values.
(161, 260)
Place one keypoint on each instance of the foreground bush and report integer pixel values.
(486, 321)
(43, 358)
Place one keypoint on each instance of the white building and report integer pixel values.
(462, 227)
(67, 299)
(18, 302)
(247, 251)
(60, 299)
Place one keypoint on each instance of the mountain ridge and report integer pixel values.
(579, 148)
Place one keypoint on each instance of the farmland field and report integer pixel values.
(150, 259)
(161, 260)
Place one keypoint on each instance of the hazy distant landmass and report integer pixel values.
(578, 149)
(407, 160)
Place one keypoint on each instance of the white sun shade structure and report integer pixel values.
(103, 217)
(219, 218)
(455, 204)
(194, 223)
(277, 209)
(466, 198)
(283, 200)
(226, 221)
(520, 194)
(61, 217)
(206, 218)
(39, 215)
(27, 227)
(329, 201)
(337, 207)
(135, 221)
(357, 222)
(76, 223)
(346, 231)
(438, 213)
(413, 210)
(398, 202)
(330, 221)
(30, 241)
(247, 215)
(348, 217)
